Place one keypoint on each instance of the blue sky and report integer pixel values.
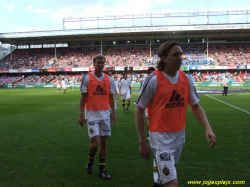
(41, 15)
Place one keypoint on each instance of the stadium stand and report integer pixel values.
(29, 59)
(133, 57)
(71, 58)
(196, 77)
(230, 55)
(218, 77)
(245, 77)
(194, 55)
(10, 79)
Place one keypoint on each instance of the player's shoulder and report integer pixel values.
(150, 80)
(85, 77)
(151, 77)
(111, 79)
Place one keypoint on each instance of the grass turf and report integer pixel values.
(43, 145)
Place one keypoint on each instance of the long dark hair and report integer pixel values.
(163, 51)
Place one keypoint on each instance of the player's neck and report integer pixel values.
(170, 73)
(98, 74)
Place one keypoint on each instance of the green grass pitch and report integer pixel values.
(42, 145)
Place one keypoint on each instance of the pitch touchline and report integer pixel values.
(227, 104)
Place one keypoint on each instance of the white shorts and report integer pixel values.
(126, 95)
(164, 164)
(58, 86)
(99, 128)
(64, 88)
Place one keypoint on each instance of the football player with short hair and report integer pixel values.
(97, 95)
(117, 85)
(125, 90)
(58, 85)
(64, 85)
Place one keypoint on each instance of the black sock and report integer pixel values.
(123, 105)
(128, 104)
(157, 185)
(102, 164)
(91, 158)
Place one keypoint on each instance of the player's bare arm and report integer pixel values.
(144, 149)
(112, 106)
(202, 118)
(81, 118)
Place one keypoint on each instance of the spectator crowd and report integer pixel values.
(223, 55)
(130, 57)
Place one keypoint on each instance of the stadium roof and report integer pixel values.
(147, 32)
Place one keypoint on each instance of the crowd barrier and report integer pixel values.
(118, 69)
(134, 85)
(218, 84)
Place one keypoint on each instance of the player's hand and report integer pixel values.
(81, 119)
(113, 118)
(211, 135)
(144, 151)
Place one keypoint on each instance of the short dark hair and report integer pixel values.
(99, 56)
(163, 51)
(151, 69)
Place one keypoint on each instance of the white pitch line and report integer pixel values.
(227, 104)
